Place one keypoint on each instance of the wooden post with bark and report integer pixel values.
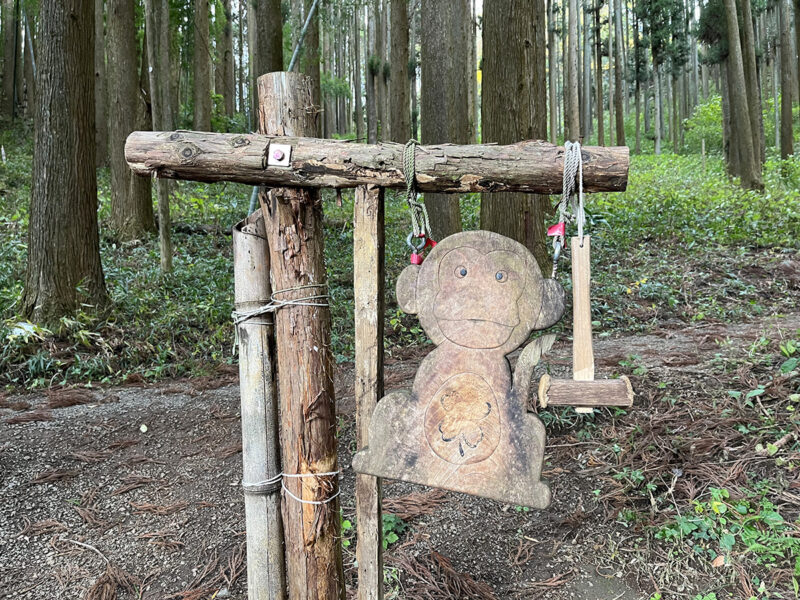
(368, 282)
(293, 221)
(266, 573)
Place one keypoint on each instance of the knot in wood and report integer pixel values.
(189, 152)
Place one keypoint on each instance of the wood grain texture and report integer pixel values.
(293, 220)
(582, 352)
(266, 572)
(531, 166)
(463, 426)
(368, 277)
(601, 392)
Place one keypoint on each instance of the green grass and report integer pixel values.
(677, 245)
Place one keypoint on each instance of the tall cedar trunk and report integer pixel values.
(637, 60)
(573, 110)
(9, 33)
(657, 102)
(552, 68)
(775, 96)
(202, 67)
(157, 37)
(619, 67)
(674, 118)
(372, 68)
(310, 64)
(100, 93)
(610, 75)
(359, 110)
(30, 83)
(750, 171)
(240, 50)
(751, 80)
(731, 157)
(224, 71)
(401, 117)
(598, 57)
(587, 68)
(514, 108)
(327, 114)
(131, 201)
(473, 76)
(63, 239)
(797, 34)
(265, 43)
(380, 80)
(414, 65)
(341, 73)
(787, 138)
(445, 113)
(293, 220)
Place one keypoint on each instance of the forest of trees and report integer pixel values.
(462, 71)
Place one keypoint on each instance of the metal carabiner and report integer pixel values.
(422, 243)
(556, 255)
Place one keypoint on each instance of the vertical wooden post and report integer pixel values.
(266, 573)
(582, 351)
(293, 221)
(368, 253)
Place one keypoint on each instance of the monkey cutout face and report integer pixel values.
(480, 290)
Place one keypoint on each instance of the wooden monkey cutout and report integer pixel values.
(464, 424)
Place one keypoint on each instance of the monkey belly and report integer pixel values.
(462, 420)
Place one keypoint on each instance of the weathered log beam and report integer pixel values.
(532, 166)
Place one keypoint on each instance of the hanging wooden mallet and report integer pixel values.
(583, 391)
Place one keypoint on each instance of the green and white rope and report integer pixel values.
(420, 224)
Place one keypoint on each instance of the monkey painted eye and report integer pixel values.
(501, 276)
(461, 272)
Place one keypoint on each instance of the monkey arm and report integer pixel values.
(527, 363)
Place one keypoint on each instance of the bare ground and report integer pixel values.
(135, 491)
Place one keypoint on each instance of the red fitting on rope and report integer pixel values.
(558, 229)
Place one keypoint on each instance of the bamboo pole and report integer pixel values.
(293, 221)
(368, 265)
(266, 576)
(531, 166)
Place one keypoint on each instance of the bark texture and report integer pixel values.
(619, 68)
(131, 202)
(265, 41)
(400, 127)
(224, 71)
(530, 166)
(9, 28)
(514, 108)
(310, 64)
(573, 115)
(787, 135)
(445, 106)
(202, 67)
(63, 239)
(293, 221)
(100, 92)
(158, 47)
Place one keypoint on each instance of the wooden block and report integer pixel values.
(600, 392)
(463, 426)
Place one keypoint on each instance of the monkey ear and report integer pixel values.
(407, 289)
(552, 304)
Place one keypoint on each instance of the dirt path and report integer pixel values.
(146, 480)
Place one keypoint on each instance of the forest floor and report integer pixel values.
(138, 487)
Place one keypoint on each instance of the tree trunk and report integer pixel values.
(552, 68)
(359, 110)
(310, 64)
(293, 220)
(515, 108)
(225, 81)
(131, 201)
(445, 112)
(619, 68)
(657, 100)
(158, 49)
(9, 33)
(30, 77)
(202, 67)
(753, 90)
(381, 65)
(787, 135)
(598, 56)
(240, 79)
(587, 69)
(750, 165)
(414, 65)
(611, 126)
(100, 94)
(63, 210)
(573, 109)
(372, 69)
(400, 115)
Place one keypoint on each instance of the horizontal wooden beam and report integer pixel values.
(597, 392)
(532, 166)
